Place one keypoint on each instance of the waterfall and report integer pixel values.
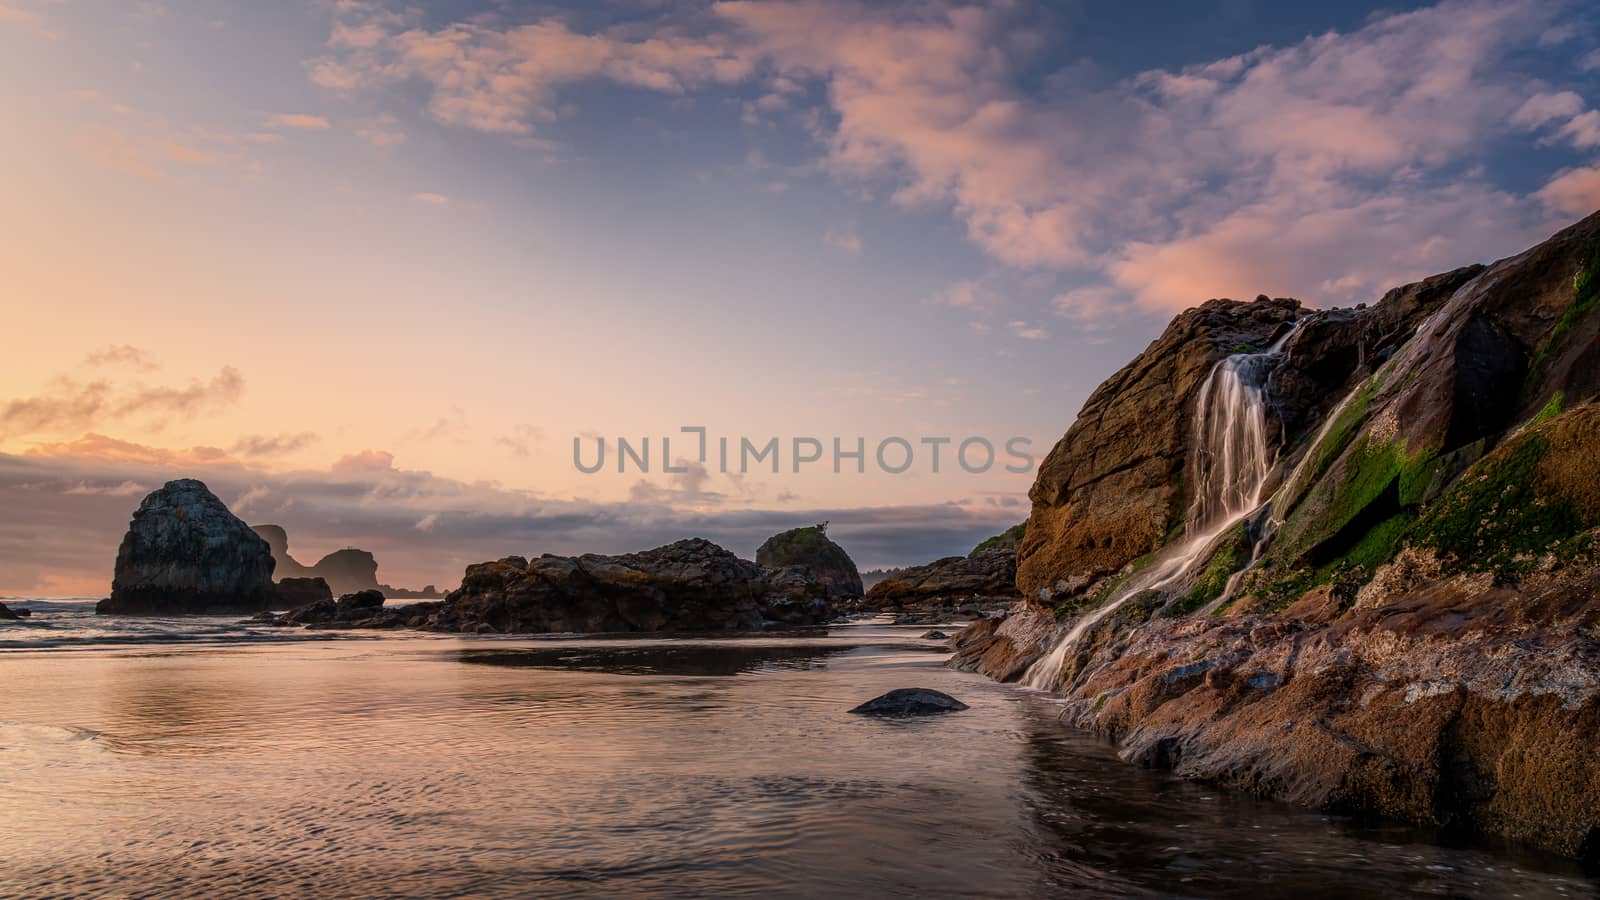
(1232, 465)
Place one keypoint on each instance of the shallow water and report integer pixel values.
(210, 759)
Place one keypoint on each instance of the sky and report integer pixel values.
(369, 269)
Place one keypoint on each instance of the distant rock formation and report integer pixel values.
(812, 549)
(1010, 539)
(347, 571)
(186, 553)
(6, 614)
(691, 585)
(984, 574)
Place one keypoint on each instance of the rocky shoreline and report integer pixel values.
(1408, 626)
(1344, 558)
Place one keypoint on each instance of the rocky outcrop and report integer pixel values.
(6, 614)
(905, 703)
(346, 571)
(691, 585)
(811, 549)
(1003, 647)
(1411, 626)
(1010, 539)
(1116, 486)
(293, 593)
(985, 574)
(186, 553)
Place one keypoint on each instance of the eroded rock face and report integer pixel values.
(1114, 488)
(1418, 632)
(1459, 704)
(984, 574)
(811, 548)
(1003, 647)
(186, 553)
(1111, 489)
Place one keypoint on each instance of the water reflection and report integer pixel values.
(658, 658)
(626, 767)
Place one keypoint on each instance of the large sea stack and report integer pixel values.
(186, 553)
(1348, 558)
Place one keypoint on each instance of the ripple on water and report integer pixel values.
(450, 766)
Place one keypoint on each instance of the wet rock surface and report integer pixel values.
(905, 703)
(1412, 630)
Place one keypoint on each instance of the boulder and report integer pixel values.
(935, 635)
(186, 553)
(903, 703)
(6, 614)
(812, 549)
(294, 593)
(987, 573)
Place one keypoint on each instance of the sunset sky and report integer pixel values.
(368, 268)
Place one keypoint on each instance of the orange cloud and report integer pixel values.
(99, 448)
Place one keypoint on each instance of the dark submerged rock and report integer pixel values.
(186, 553)
(7, 614)
(904, 703)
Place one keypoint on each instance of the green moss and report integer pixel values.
(1497, 519)
(1378, 545)
(1585, 294)
(1371, 469)
(1010, 539)
(1550, 410)
(1230, 556)
(1343, 429)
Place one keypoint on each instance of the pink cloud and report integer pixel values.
(1574, 192)
(1171, 186)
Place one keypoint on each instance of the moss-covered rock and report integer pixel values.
(1010, 539)
(812, 549)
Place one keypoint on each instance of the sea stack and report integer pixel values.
(185, 553)
(811, 548)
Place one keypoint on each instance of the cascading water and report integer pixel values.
(1233, 464)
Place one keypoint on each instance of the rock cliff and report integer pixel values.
(186, 553)
(1400, 616)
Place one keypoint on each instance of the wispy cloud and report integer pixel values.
(1227, 178)
(845, 240)
(300, 121)
(260, 445)
(70, 404)
(431, 198)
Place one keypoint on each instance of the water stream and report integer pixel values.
(1233, 464)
